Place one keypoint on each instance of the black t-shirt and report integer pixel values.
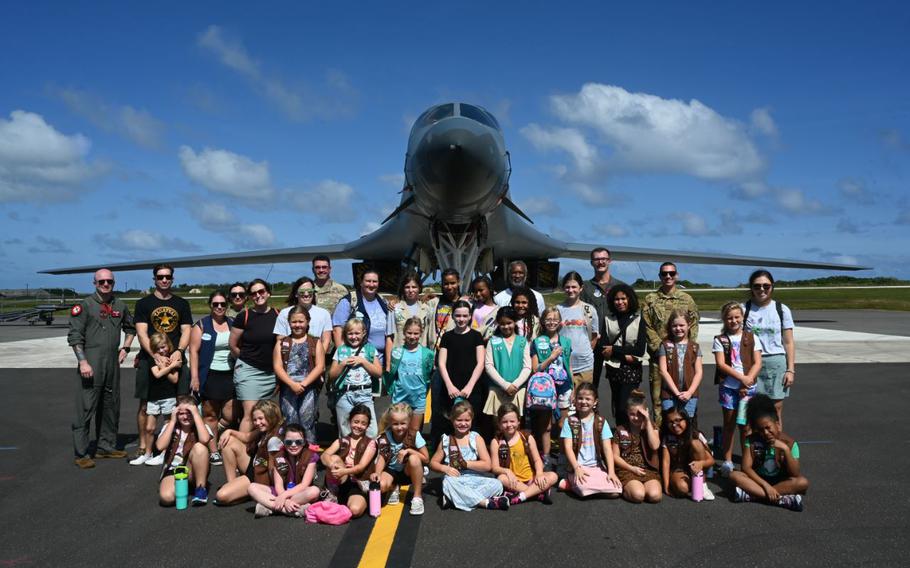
(163, 316)
(461, 355)
(257, 342)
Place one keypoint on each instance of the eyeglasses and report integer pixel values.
(600, 260)
(762, 286)
(238, 294)
(259, 292)
(164, 277)
(105, 282)
(665, 273)
(294, 442)
(219, 304)
(306, 293)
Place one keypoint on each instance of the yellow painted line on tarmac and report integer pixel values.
(428, 413)
(378, 547)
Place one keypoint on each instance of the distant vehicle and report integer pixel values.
(43, 312)
(456, 211)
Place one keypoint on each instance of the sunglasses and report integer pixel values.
(306, 293)
(294, 442)
(259, 292)
(600, 260)
(238, 294)
(665, 273)
(219, 304)
(761, 286)
(105, 282)
(164, 277)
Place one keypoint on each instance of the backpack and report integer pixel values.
(541, 392)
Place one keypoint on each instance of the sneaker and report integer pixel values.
(740, 496)
(709, 495)
(791, 502)
(156, 460)
(726, 469)
(85, 462)
(261, 511)
(426, 473)
(500, 503)
(394, 497)
(417, 506)
(216, 459)
(545, 497)
(110, 454)
(514, 499)
(200, 497)
(140, 459)
(445, 502)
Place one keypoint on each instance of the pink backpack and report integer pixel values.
(541, 392)
(328, 513)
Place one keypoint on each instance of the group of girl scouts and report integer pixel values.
(503, 383)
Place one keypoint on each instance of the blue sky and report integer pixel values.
(767, 129)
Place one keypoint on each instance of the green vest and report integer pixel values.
(542, 349)
(344, 351)
(427, 359)
(509, 365)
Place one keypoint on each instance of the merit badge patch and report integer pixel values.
(77, 309)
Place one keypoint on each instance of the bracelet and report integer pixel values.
(785, 372)
(125, 348)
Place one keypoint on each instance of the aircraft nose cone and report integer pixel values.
(457, 163)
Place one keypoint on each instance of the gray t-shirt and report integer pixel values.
(578, 328)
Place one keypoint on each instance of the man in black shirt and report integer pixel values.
(595, 292)
(159, 312)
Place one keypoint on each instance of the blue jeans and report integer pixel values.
(691, 406)
(347, 401)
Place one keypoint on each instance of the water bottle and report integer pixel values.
(291, 485)
(698, 486)
(741, 410)
(375, 499)
(181, 486)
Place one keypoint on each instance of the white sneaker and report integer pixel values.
(426, 473)
(141, 459)
(156, 460)
(261, 511)
(708, 495)
(394, 497)
(417, 506)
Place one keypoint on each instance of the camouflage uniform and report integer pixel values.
(96, 327)
(655, 311)
(327, 296)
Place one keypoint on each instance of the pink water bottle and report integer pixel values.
(698, 486)
(375, 499)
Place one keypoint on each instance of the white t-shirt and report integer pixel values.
(320, 322)
(504, 298)
(764, 324)
(736, 359)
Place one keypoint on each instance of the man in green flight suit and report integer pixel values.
(655, 311)
(95, 326)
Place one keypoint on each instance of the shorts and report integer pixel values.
(770, 380)
(143, 371)
(417, 400)
(161, 407)
(564, 400)
(399, 477)
(583, 377)
(729, 398)
(219, 386)
(691, 405)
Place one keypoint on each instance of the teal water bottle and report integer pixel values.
(181, 486)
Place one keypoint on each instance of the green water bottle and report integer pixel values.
(181, 486)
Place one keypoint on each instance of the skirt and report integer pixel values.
(498, 397)
(219, 385)
(627, 476)
(596, 481)
(252, 383)
(468, 490)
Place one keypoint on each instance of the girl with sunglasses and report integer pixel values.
(292, 470)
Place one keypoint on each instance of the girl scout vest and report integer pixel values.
(626, 439)
(384, 446)
(746, 353)
(575, 428)
(344, 448)
(508, 364)
(292, 470)
(543, 349)
(673, 366)
(366, 350)
(175, 448)
(427, 359)
(287, 343)
(505, 452)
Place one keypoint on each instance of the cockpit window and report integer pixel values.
(478, 114)
(435, 114)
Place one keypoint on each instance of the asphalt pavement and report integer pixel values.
(846, 418)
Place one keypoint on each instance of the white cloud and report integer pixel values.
(855, 191)
(693, 225)
(297, 102)
(331, 201)
(607, 230)
(216, 217)
(137, 125)
(50, 245)
(646, 133)
(256, 236)
(797, 202)
(395, 180)
(137, 240)
(225, 172)
(539, 206)
(762, 122)
(39, 163)
(369, 227)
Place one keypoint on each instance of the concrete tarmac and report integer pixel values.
(854, 452)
